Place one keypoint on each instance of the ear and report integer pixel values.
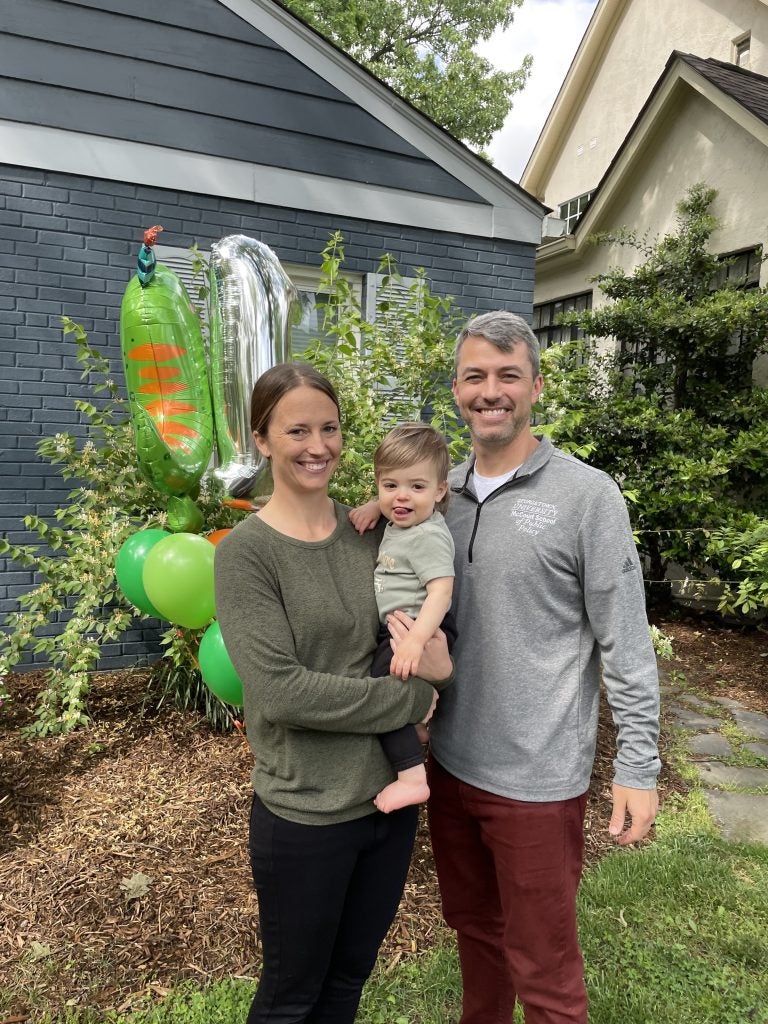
(261, 443)
(453, 389)
(538, 386)
(442, 490)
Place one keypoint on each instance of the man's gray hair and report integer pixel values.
(504, 330)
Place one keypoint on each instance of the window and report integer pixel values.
(310, 327)
(305, 279)
(544, 316)
(741, 50)
(571, 210)
(741, 270)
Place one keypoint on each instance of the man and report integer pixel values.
(548, 586)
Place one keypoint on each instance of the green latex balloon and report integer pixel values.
(129, 568)
(216, 668)
(178, 579)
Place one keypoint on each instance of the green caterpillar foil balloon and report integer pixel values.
(167, 381)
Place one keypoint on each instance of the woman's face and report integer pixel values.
(303, 440)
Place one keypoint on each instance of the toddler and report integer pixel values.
(414, 573)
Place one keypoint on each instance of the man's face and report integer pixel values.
(495, 391)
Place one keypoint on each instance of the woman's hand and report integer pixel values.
(435, 664)
(365, 517)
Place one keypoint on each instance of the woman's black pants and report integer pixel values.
(327, 896)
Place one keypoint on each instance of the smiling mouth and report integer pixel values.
(495, 413)
(314, 467)
(400, 510)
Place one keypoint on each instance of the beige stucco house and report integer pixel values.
(660, 95)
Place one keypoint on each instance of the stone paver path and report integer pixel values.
(737, 795)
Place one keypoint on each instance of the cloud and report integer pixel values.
(551, 31)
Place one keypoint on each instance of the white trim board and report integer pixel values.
(96, 156)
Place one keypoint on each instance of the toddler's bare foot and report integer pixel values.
(409, 788)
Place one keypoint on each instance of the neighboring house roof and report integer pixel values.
(582, 70)
(580, 76)
(377, 158)
(750, 90)
(740, 94)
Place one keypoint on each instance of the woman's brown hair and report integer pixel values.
(278, 381)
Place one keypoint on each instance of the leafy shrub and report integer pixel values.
(396, 368)
(74, 558)
(671, 413)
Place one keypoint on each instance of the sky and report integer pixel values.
(551, 31)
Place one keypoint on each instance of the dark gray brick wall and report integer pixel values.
(68, 246)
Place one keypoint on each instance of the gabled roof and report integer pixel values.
(746, 87)
(581, 73)
(292, 122)
(741, 94)
(334, 65)
(583, 67)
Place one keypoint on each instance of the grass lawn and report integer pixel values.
(676, 932)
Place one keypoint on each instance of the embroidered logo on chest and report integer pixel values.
(386, 561)
(533, 516)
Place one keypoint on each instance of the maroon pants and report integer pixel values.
(508, 873)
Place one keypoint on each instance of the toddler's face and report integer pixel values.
(408, 496)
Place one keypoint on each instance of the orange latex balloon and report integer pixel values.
(217, 535)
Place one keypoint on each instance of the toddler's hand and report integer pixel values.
(365, 517)
(406, 658)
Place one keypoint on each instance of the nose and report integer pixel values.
(317, 443)
(491, 390)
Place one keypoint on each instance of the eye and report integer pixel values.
(332, 428)
(296, 432)
(418, 487)
(472, 378)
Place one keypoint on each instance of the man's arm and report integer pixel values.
(615, 604)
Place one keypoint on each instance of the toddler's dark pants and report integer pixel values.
(402, 746)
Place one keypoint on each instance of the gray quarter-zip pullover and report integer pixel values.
(548, 585)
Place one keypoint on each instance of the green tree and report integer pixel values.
(672, 413)
(424, 49)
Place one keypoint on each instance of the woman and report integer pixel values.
(298, 614)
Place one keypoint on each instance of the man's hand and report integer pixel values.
(641, 805)
(365, 517)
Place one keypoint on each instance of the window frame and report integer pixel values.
(572, 217)
(546, 333)
(741, 46)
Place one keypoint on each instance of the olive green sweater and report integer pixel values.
(299, 621)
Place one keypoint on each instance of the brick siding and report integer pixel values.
(68, 246)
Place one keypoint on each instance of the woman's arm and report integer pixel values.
(436, 665)
(260, 642)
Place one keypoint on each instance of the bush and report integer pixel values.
(671, 413)
(73, 559)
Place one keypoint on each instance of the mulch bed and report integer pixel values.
(156, 792)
